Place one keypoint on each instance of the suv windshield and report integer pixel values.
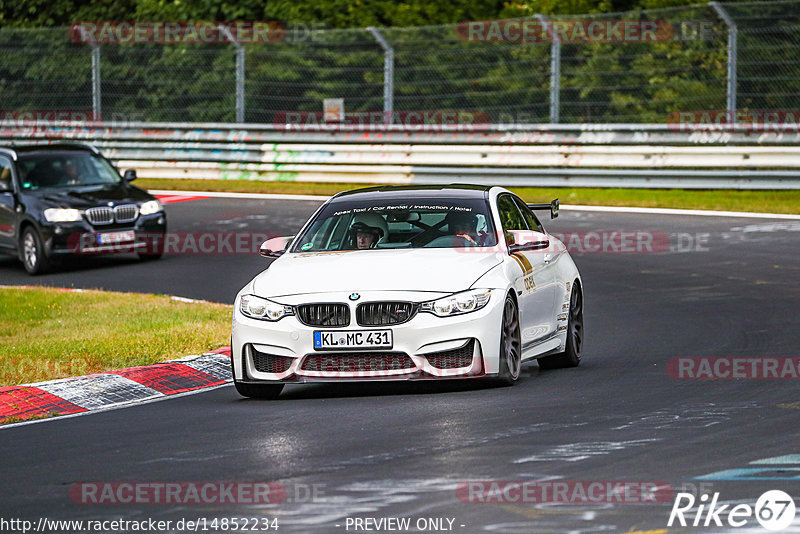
(44, 170)
(421, 223)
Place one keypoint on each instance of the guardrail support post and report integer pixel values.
(239, 74)
(555, 71)
(388, 73)
(733, 32)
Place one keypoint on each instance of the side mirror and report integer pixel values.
(518, 240)
(272, 248)
(130, 175)
(552, 207)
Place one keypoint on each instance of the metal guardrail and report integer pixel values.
(618, 155)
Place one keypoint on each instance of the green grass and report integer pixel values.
(46, 333)
(15, 419)
(772, 201)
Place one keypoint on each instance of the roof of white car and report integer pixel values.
(420, 191)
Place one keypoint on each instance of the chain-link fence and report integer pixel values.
(742, 56)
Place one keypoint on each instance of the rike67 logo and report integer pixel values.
(774, 510)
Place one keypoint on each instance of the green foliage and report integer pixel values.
(43, 13)
(333, 13)
(435, 66)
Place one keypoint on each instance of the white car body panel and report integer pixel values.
(375, 270)
(540, 281)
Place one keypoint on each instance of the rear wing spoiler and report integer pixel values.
(552, 207)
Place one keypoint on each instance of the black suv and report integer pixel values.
(66, 198)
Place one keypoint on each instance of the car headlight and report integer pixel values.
(150, 207)
(258, 308)
(58, 215)
(464, 302)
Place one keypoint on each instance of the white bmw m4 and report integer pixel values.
(409, 283)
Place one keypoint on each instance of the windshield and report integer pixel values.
(421, 223)
(64, 169)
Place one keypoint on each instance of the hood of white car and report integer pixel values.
(437, 270)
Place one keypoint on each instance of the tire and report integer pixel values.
(32, 252)
(510, 344)
(571, 357)
(258, 391)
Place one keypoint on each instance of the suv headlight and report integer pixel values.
(58, 215)
(258, 308)
(458, 303)
(150, 207)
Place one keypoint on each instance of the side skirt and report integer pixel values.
(540, 348)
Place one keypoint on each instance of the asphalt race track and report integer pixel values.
(715, 287)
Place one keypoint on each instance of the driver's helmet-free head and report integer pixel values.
(70, 166)
(359, 227)
(456, 220)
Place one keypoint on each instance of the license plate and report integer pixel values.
(352, 339)
(116, 237)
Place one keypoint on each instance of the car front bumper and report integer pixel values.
(425, 347)
(82, 238)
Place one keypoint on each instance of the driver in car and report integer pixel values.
(365, 236)
(463, 225)
(71, 171)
